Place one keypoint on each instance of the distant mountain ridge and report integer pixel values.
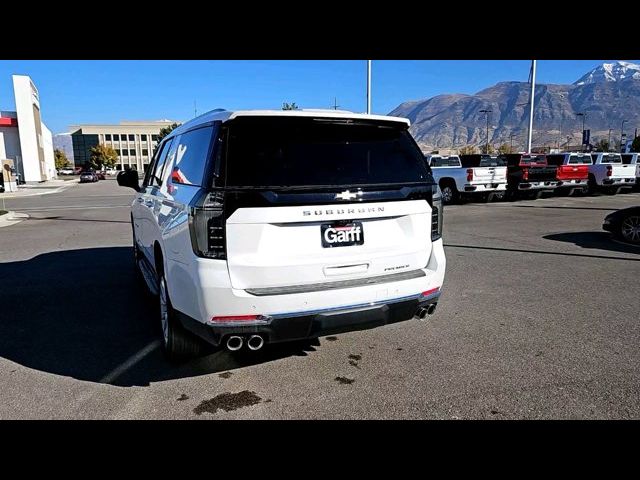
(608, 94)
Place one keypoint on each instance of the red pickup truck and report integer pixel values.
(572, 171)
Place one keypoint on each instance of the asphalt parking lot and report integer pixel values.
(539, 319)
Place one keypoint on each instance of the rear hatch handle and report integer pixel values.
(346, 269)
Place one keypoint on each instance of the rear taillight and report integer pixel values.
(436, 213)
(525, 174)
(609, 168)
(207, 226)
(430, 292)
(469, 174)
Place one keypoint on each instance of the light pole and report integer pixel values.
(622, 133)
(568, 140)
(583, 115)
(609, 143)
(487, 112)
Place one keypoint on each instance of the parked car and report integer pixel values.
(312, 222)
(476, 176)
(111, 172)
(607, 173)
(528, 175)
(88, 176)
(633, 159)
(624, 224)
(101, 175)
(78, 170)
(572, 172)
(66, 171)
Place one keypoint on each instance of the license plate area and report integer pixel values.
(341, 234)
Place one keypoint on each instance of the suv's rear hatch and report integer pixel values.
(311, 201)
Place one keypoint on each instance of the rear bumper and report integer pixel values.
(304, 325)
(542, 185)
(575, 183)
(618, 182)
(485, 187)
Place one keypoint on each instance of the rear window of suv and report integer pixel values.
(302, 152)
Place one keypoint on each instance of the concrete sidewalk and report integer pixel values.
(42, 188)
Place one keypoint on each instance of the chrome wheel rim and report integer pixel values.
(447, 194)
(631, 229)
(164, 311)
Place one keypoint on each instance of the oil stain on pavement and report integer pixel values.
(182, 398)
(228, 402)
(225, 374)
(344, 380)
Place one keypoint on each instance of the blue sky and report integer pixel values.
(81, 91)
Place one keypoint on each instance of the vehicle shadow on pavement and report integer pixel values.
(84, 314)
(598, 240)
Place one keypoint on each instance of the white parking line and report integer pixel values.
(130, 362)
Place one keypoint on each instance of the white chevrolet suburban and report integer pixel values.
(478, 176)
(256, 227)
(608, 173)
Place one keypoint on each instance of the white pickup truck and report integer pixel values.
(608, 173)
(481, 176)
(634, 160)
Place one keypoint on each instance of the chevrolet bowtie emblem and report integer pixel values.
(347, 195)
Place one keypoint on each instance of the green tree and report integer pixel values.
(467, 150)
(164, 131)
(103, 156)
(60, 159)
(504, 148)
(289, 106)
(601, 146)
(635, 146)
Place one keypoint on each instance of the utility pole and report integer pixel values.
(487, 112)
(368, 87)
(609, 143)
(531, 102)
(335, 103)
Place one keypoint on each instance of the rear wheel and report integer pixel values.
(629, 230)
(449, 193)
(178, 344)
(592, 185)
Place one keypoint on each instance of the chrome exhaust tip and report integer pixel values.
(431, 309)
(421, 313)
(234, 343)
(255, 342)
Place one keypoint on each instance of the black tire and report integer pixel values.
(178, 344)
(628, 229)
(592, 186)
(500, 196)
(452, 195)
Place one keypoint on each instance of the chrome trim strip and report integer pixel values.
(318, 287)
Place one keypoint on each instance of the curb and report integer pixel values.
(11, 218)
(56, 190)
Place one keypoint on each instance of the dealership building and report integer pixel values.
(26, 145)
(134, 142)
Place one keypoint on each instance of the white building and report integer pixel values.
(24, 139)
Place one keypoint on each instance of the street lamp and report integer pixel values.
(487, 112)
(622, 133)
(583, 115)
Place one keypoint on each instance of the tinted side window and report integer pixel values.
(156, 176)
(192, 154)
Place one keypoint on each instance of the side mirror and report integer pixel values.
(128, 178)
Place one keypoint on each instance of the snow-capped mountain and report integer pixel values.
(610, 72)
(608, 95)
